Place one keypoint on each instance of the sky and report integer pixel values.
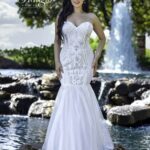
(15, 34)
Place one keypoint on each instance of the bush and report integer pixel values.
(35, 57)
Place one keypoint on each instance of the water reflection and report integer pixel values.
(132, 138)
(18, 130)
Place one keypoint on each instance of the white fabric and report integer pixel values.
(77, 122)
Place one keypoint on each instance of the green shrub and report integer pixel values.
(36, 57)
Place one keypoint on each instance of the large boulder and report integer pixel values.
(41, 108)
(14, 87)
(129, 89)
(4, 108)
(145, 94)
(130, 115)
(143, 102)
(50, 82)
(7, 79)
(121, 88)
(4, 96)
(127, 102)
(20, 103)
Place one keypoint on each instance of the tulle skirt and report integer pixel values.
(77, 122)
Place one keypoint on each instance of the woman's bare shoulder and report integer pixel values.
(92, 16)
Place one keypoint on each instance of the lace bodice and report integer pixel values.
(76, 54)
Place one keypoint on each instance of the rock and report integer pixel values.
(50, 82)
(145, 94)
(105, 109)
(47, 95)
(4, 96)
(7, 79)
(133, 86)
(111, 93)
(144, 102)
(96, 84)
(108, 86)
(32, 84)
(121, 88)
(115, 98)
(20, 103)
(132, 89)
(4, 108)
(52, 87)
(139, 92)
(129, 115)
(136, 109)
(41, 108)
(145, 83)
(119, 100)
(15, 87)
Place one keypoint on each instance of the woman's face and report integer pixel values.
(77, 3)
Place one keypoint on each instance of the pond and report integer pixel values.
(104, 74)
(18, 130)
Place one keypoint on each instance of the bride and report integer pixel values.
(76, 122)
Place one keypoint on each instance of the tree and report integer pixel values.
(41, 13)
(38, 14)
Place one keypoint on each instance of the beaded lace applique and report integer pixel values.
(76, 55)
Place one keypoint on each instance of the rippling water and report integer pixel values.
(104, 74)
(37, 72)
(131, 138)
(18, 130)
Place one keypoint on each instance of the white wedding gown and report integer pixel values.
(77, 122)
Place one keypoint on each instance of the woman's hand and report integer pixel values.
(94, 66)
(59, 69)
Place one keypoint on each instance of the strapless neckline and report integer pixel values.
(79, 24)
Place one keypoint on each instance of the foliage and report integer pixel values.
(40, 15)
(141, 16)
(147, 53)
(35, 57)
(94, 43)
(35, 15)
(144, 61)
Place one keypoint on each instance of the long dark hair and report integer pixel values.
(67, 9)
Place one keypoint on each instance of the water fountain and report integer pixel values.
(120, 56)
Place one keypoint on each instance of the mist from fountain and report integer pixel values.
(120, 55)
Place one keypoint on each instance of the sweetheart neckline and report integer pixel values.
(79, 24)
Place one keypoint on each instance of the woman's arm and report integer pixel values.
(57, 44)
(102, 40)
(100, 33)
(57, 48)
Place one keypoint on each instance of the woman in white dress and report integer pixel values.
(76, 122)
